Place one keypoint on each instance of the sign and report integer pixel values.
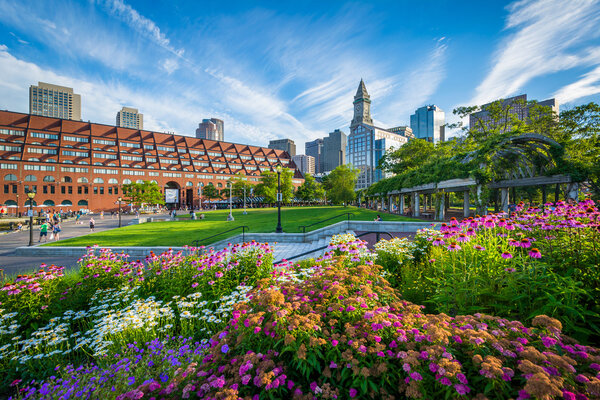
(171, 195)
(279, 196)
(30, 213)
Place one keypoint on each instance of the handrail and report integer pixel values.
(324, 247)
(348, 214)
(196, 242)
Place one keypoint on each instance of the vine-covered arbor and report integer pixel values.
(508, 161)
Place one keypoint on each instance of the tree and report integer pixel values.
(143, 193)
(410, 156)
(239, 184)
(340, 184)
(210, 192)
(268, 186)
(310, 190)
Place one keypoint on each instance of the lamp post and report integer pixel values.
(230, 216)
(279, 229)
(119, 199)
(31, 195)
(244, 201)
(18, 207)
(200, 195)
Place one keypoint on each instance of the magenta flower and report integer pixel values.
(334, 342)
(353, 392)
(479, 248)
(453, 247)
(507, 255)
(535, 253)
(511, 270)
(416, 376)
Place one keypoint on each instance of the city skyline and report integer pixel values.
(280, 82)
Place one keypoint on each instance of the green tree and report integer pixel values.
(410, 156)
(210, 192)
(267, 188)
(143, 193)
(310, 190)
(240, 183)
(340, 184)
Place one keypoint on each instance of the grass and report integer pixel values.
(184, 231)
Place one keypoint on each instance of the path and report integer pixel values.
(12, 264)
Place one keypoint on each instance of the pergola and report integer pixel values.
(522, 159)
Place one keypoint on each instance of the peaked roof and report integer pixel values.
(361, 92)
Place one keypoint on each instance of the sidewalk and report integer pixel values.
(12, 264)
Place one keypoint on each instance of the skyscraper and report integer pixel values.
(130, 118)
(334, 150)
(54, 101)
(212, 129)
(315, 149)
(518, 108)
(428, 123)
(368, 143)
(305, 163)
(285, 145)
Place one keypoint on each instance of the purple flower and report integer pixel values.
(163, 377)
(462, 389)
(131, 380)
(453, 247)
(548, 341)
(507, 255)
(353, 392)
(334, 342)
(416, 376)
(224, 348)
(333, 365)
(535, 253)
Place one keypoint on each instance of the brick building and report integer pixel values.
(82, 165)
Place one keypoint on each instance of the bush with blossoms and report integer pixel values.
(536, 261)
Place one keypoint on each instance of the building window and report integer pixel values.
(85, 190)
(5, 188)
(95, 189)
(110, 190)
(78, 189)
(52, 189)
(62, 189)
(70, 189)
(101, 189)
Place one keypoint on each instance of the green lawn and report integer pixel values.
(184, 231)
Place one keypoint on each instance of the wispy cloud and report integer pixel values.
(549, 36)
(588, 85)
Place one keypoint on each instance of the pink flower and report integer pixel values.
(453, 247)
(506, 255)
(353, 392)
(535, 253)
(334, 342)
(195, 284)
(511, 270)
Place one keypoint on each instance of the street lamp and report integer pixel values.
(244, 201)
(200, 195)
(230, 216)
(279, 229)
(119, 199)
(31, 195)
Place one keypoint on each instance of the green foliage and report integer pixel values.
(340, 184)
(268, 186)
(146, 192)
(211, 192)
(310, 190)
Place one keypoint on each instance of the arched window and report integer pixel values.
(27, 203)
(65, 203)
(189, 184)
(30, 178)
(33, 159)
(153, 181)
(49, 178)
(113, 181)
(126, 181)
(82, 203)
(98, 180)
(82, 180)
(10, 177)
(139, 181)
(11, 203)
(49, 203)
(219, 185)
(67, 179)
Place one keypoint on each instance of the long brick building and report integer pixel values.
(78, 165)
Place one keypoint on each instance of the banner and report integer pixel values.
(171, 195)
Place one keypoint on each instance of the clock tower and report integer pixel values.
(362, 106)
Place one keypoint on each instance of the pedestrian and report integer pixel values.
(56, 230)
(19, 227)
(101, 214)
(92, 224)
(77, 216)
(378, 218)
(43, 232)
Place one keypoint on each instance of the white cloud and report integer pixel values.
(141, 24)
(550, 36)
(587, 85)
(170, 65)
(3, 47)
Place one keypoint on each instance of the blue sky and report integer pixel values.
(274, 69)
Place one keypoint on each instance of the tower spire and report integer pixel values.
(362, 106)
(361, 92)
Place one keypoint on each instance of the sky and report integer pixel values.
(273, 69)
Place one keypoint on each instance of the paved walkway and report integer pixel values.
(12, 264)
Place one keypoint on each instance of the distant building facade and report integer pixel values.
(367, 143)
(428, 123)
(315, 149)
(130, 118)
(334, 150)
(305, 163)
(518, 107)
(285, 145)
(211, 129)
(403, 130)
(54, 101)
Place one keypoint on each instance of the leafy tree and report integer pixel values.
(340, 184)
(268, 186)
(310, 190)
(210, 192)
(239, 184)
(143, 193)
(410, 156)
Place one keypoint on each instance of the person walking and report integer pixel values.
(92, 224)
(43, 232)
(56, 230)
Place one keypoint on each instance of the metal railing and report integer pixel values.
(197, 242)
(348, 214)
(378, 236)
